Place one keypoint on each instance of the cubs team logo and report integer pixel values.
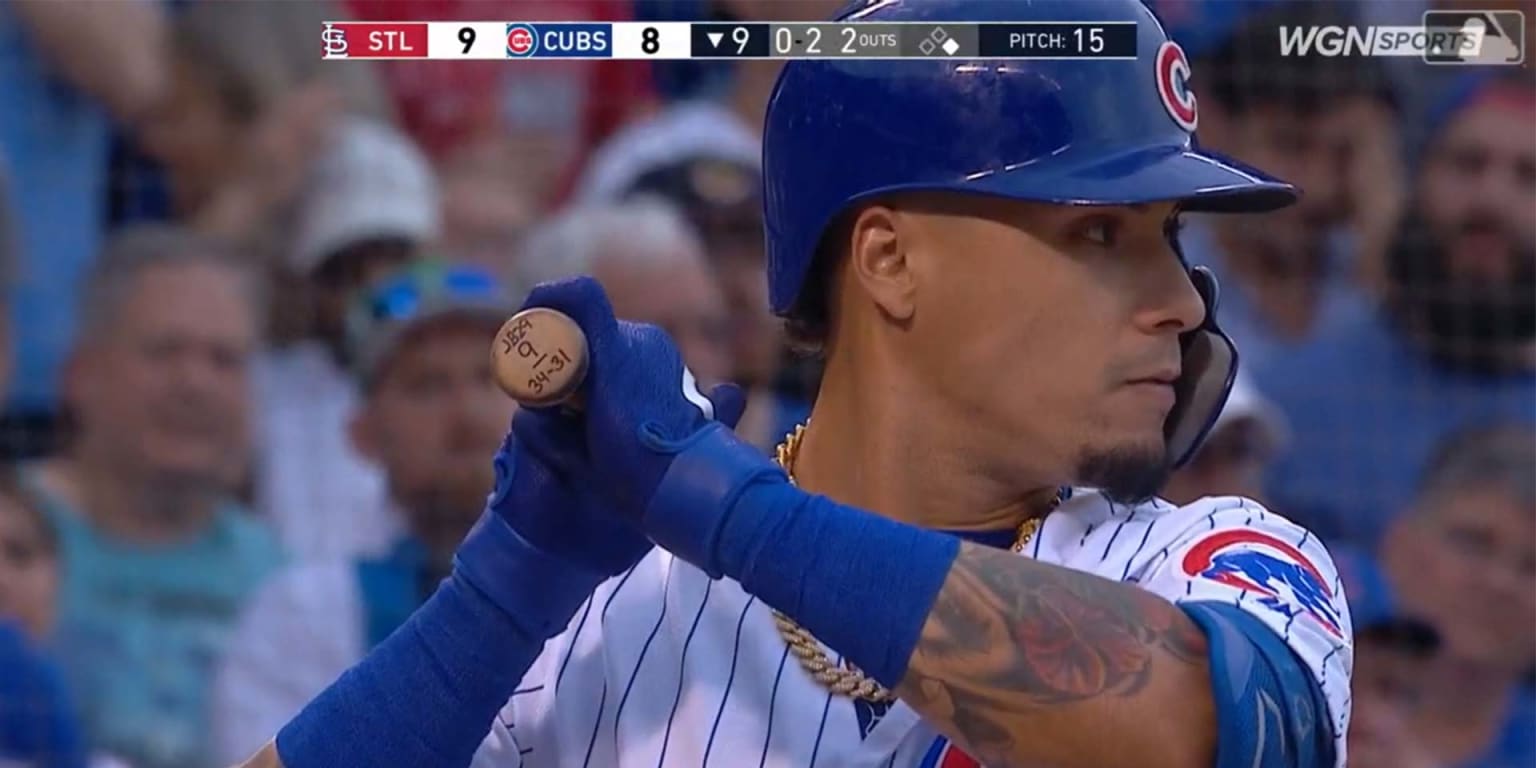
(1171, 69)
(522, 40)
(1285, 580)
(944, 754)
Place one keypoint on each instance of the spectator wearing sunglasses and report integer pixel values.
(430, 412)
(1248, 434)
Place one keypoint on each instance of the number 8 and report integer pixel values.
(650, 40)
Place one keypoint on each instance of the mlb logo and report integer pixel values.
(1482, 37)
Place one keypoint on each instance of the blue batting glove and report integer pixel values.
(545, 499)
(642, 410)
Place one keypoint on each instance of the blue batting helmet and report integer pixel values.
(1074, 132)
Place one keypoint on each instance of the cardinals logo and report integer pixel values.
(1285, 580)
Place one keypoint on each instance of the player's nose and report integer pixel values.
(1170, 303)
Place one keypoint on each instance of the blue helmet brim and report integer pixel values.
(1199, 181)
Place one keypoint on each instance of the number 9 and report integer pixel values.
(467, 37)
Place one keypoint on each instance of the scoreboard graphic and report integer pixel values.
(712, 40)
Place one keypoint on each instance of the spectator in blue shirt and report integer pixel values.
(1454, 345)
(156, 555)
(1463, 557)
(429, 411)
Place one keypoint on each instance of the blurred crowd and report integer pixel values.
(248, 295)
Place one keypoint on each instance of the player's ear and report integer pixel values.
(878, 261)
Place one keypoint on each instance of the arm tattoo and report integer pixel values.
(1018, 655)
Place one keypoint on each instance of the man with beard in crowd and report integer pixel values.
(1454, 343)
(429, 411)
(1328, 125)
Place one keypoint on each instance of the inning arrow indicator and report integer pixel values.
(713, 40)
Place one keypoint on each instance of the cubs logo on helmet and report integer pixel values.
(1172, 70)
(1286, 581)
(944, 754)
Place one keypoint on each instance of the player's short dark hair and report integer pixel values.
(1247, 70)
(809, 322)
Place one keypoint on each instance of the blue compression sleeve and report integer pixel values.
(428, 694)
(861, 583)
(1270, 711)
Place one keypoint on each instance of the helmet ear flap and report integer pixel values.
(1209, 366)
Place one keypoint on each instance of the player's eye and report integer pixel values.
(1100, 230)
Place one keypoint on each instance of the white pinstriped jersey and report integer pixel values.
(665, 667)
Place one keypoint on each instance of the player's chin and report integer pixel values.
(1129, 470)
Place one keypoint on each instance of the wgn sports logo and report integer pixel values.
(1281, 577)
(1445, 37)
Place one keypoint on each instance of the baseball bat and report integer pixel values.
(539, 358)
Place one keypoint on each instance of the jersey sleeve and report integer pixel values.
(1233, 551)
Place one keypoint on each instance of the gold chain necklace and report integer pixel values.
(847, 681)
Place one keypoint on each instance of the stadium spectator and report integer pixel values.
(66, 71)
(653, 267)
(431, 412)
(1455, 343)
(522, 130)
(1242, 443)
(1463, 557)
(248, 107)
(156, 555)
(722, 198)
(1325, 124)
(38, 724)
(488, 205)
(506, 140)
(728, 124)
(370, 206)
(1389, 681)
(28, 562)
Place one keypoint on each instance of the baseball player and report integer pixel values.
(958, 561)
